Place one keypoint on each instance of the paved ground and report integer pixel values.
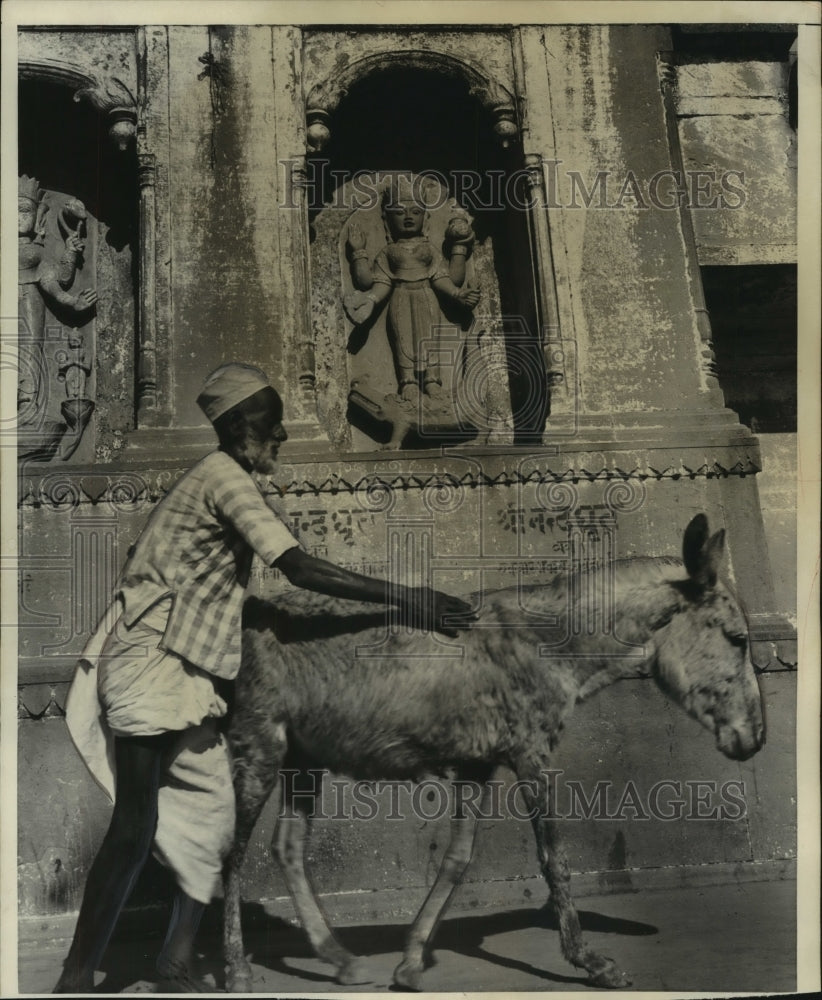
(738, 937)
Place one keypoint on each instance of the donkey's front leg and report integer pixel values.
(601, 970)
(408, 974)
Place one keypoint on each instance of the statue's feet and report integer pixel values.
(434, 390)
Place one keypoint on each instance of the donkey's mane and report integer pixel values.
(650, 568)
(628, 571)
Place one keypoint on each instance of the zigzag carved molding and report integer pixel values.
(128, 491)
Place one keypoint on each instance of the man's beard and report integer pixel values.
(259, 453)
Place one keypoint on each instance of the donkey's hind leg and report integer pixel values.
(602, 971)
(288, 847)
(408, 974)
(257, 756)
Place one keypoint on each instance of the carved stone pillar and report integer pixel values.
(707, 359)
(147, 348)
(153, 377)
(297, 361)
(556, 345)
(556, 361)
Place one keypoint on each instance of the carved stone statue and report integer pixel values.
(411, 273)
(409, 346)
(46, 275)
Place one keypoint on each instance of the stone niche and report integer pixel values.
(77, 225)
(452, 351)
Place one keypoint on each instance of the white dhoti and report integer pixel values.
(125, 685)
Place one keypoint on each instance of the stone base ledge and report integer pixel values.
(353, 907)
(568, 432)
(652, 432)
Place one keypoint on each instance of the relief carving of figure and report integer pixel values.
(45, 279)
(73, 366)
(414, 276)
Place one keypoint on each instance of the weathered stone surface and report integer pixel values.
(778, 496)
(331, 54)
(632, 315)
(734, 131)
(757, 155)
(759, 85)
(70, 54)
(486, 521)
(57, 301)
(636, 445)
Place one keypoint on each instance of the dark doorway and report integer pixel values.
(753, 318)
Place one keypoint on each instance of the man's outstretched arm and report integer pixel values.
(425, 606)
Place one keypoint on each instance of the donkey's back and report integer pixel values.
(363, 695)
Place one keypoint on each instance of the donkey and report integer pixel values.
(304, 699)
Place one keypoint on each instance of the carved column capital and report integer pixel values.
(532, 163)
(113, 98)
(505, 124)
(499, 103)
(317, 132)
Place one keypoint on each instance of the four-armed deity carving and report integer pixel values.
(47, 272)
(417, 280)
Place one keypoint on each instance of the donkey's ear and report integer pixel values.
(696, 534)
(700, 554)
(713, 553)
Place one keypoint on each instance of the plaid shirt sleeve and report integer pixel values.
(238, 500)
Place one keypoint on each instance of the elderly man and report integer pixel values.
(146, 695)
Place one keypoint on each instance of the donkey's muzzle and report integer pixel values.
(740, 744)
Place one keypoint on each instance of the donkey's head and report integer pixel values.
(703, 658)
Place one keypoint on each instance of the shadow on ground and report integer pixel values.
(271, 942)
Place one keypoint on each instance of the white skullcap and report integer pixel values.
(228, 385)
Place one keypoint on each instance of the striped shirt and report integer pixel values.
(197, 548)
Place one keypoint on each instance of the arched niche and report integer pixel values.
(324, 98)
(76, 292)
(423, 113)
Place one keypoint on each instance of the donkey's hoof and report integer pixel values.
(408, 977)
(353, 972)
(238, 980)
(608, 975)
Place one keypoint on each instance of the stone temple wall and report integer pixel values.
(585, 415)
